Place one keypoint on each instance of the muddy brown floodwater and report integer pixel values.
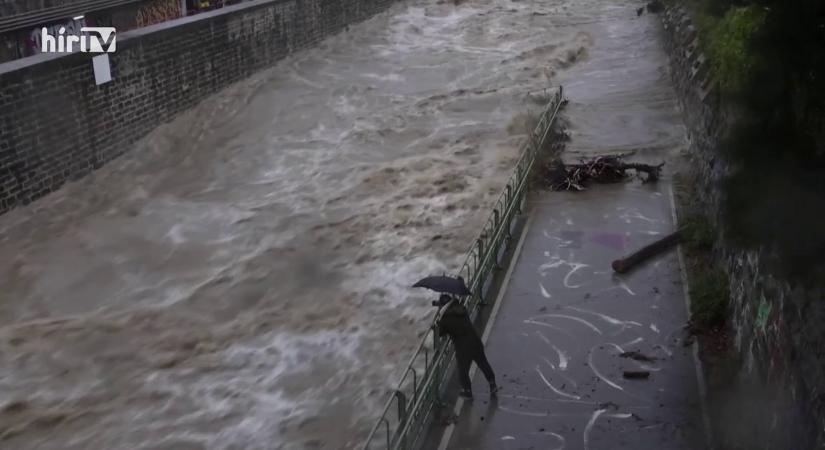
(239, 280)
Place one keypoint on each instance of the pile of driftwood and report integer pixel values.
(602, 169)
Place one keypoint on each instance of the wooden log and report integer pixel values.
(625, 264)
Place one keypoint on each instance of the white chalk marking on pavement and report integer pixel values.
(700, 376)
(563, 358)
(589, 427)
(633, 213)
(616, 346)
(508, 438)
(556, 262)
(554, 400)
(459, 404)
(654, 328)
(550, 236)
(511, 411)
(564, 316)
(606, 318)
(624, 286)
(544, 292)
(599, 374)
(575, 267)
(551, 326)
(561, 374)
(633, 342)
(562, 441)
(552, 366)
(553, 388)
(649, 368)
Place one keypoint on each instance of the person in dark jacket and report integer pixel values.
(455, 322)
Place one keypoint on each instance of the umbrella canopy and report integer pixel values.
(445, 285)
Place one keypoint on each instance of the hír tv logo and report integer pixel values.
(91, 40)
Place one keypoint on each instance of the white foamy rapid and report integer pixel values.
(240, 279)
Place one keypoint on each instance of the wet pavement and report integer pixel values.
(566, 319)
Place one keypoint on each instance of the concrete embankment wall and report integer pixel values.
(779, 329)
(57, 125)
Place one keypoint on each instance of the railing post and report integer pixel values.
(402, 411)
(495, 246)
(387, 428)
(480, 244)
(480, 271)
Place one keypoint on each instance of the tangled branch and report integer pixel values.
(601, 169)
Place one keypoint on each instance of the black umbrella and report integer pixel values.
(444, 285)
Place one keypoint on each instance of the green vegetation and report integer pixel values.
(768, 61)
(726, 34)
(697, 233)
(728, 45)
(708, 283)
(709, 296)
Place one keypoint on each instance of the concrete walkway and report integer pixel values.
(564, 321)
(564, 318)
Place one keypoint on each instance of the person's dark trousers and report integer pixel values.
(465, 355)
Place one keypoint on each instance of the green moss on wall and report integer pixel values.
(728, 45)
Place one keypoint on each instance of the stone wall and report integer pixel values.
(779, 329)
(56, 124)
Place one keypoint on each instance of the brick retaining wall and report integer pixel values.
(57, 125)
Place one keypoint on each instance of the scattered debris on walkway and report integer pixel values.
(602, 169)
(636, 374)
(638, 356)
(625, 264)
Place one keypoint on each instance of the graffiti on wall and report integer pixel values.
(157, 11)
(762, 314)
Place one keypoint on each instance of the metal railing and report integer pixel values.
(407, 412)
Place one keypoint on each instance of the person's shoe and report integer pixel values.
(493, 389)
(466, 393)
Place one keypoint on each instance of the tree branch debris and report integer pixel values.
(601, 169)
